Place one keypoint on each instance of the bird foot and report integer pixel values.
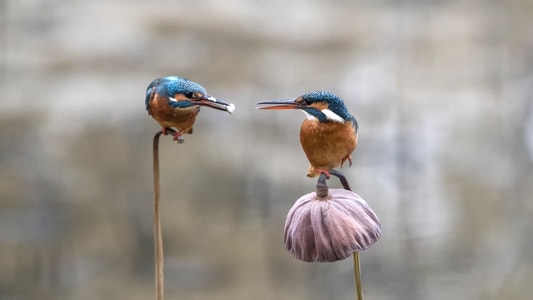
(326, 174)
(349, 158)
(178, 137)
(314, 172)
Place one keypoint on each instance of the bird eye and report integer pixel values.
(303, 101)
(189, 95)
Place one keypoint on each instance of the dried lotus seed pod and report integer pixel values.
(330, 227)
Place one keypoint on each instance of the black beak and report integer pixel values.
(214, 103)
(279, 104)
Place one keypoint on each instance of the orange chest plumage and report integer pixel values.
(167, 116)
(327, 144)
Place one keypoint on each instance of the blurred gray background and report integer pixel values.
(442, 90)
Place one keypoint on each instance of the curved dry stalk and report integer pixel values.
(342, 178)
(158, 237)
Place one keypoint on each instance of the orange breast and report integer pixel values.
(166, 116)
(326, 144)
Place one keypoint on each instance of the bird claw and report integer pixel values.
(322, 171)
(325, 173)
(178, 137)
(349, 158)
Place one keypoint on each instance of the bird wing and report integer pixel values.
(354, 123)
(150, 92)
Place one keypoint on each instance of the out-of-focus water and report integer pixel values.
(442, 91)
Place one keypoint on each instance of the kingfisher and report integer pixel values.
(175, 101)
(328, 135)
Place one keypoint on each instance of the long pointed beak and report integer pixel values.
(279, 104)
(214, 103)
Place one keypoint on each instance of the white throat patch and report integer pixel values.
(332, 116)
(329, 115)
(309, 116)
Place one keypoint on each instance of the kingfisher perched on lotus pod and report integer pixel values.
(328, 135)
(174, 101)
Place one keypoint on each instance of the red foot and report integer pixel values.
(324, 171)
(178, 136)
(349, 158)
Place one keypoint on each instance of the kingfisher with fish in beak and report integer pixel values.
(174, 102)
(328, 135)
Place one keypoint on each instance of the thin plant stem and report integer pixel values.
(357, 275)
(158, 235)
(356, 261)
(342, 179)
(322, 186)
